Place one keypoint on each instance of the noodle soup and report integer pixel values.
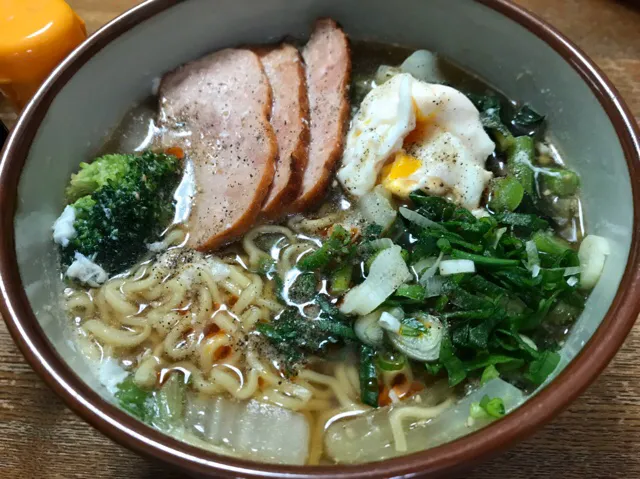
(421, 298)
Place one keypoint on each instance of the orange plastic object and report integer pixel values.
(35, 35)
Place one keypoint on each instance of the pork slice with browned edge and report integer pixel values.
(289, 118)
(328, 71)
(217, 109)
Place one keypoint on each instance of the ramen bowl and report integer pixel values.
(87, 95)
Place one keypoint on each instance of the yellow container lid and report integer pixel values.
(35, 36)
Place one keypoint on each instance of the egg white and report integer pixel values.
(429, 136)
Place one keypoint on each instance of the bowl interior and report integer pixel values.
(494, 47)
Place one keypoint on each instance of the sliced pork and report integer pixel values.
(328, 70)
(289, 118)
(217, 109)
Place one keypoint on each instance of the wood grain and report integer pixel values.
(597, 437)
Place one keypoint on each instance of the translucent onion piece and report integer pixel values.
(384, 73)
(368, 330)
(376, 207)
(425, 347)
(592, 253)
(250, 428)
(423, 65)
(418, 219)
(388, 271)
(455, 266)
(431, 271)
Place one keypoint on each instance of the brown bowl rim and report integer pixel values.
(444, 459)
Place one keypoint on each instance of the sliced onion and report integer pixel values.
(424, 347)
(572, 271)
(368, 330)
(529, 342)
(572, 281)
(499, 233)
(418, 219)
(535, 271)
(389, 323)
(377, 207)
(423, 264)
(431, 271)
(592, 253)
(423, 65)
(388, 271)
(378, 244)
(433, 286)
(532, 256)
(384, 73)
(455, 266)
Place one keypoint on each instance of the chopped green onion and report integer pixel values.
(391, 361)
(559, 181)
(494, 407)
(506, 194)
(548, 243)
(483, 260)
(520, 156)
(489, 373)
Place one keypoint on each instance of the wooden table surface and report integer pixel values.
(597, 437)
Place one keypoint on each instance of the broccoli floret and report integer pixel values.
(96, 174)
(115, 222)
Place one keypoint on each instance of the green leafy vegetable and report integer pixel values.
(521, 220)
(295, 336)
(487, 408)
(542, 367)
(169, 401)
(411, 291)
(135, 400)
(303, 288)
(489, 373)
(433, 368)
(336, 246)
(453, 365)
(368, 376)
(526, 121)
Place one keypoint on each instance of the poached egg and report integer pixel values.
(410, 135)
